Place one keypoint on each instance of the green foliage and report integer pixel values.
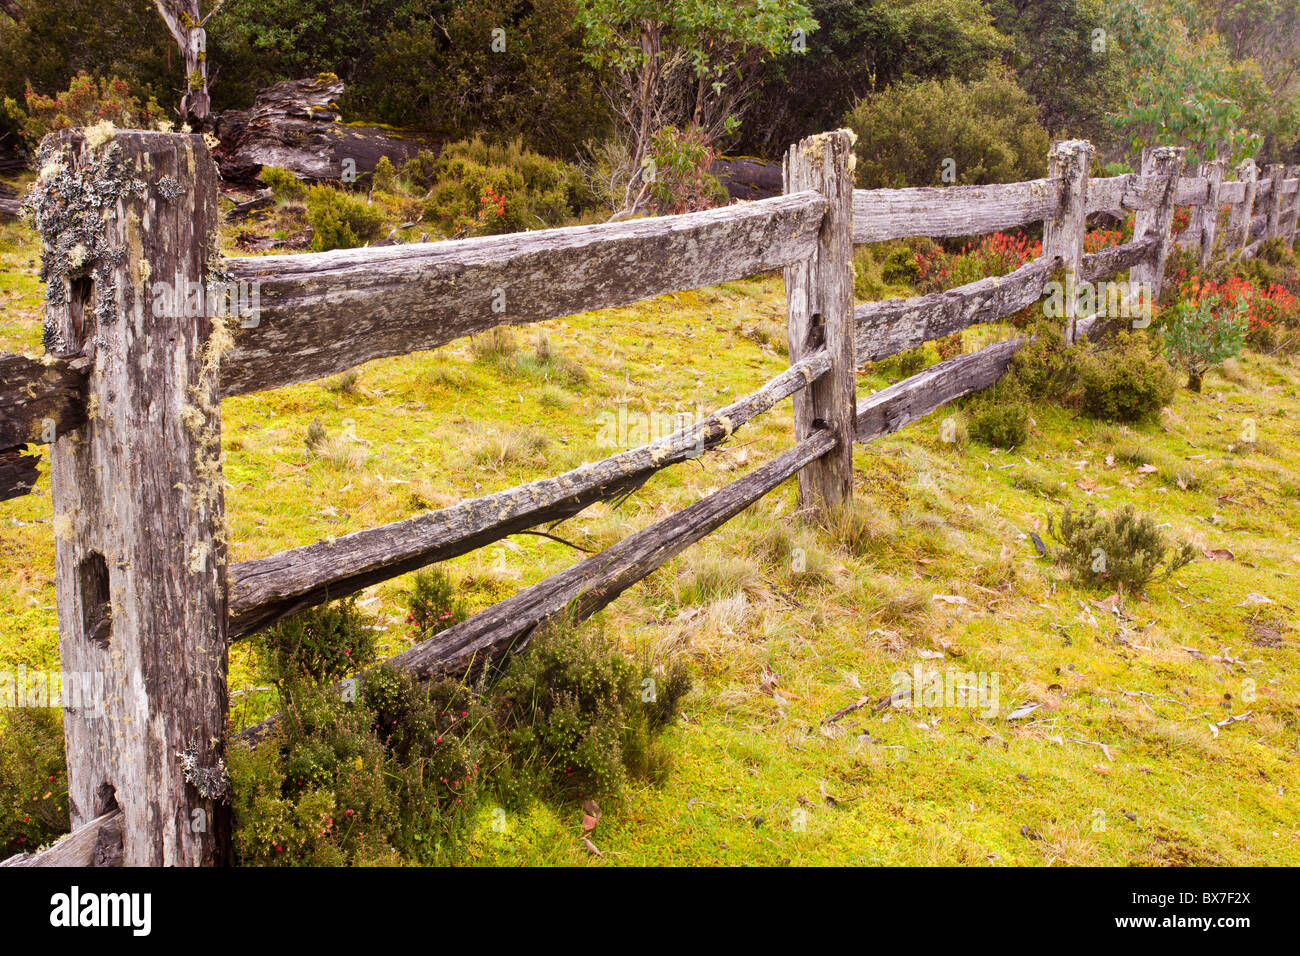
(1124, 380)
(581, 718)
(340, 220)
(1063, 62)
(1045, 366)
(1204, 331)
(988, 127)
(477, 188)
(999, 416)
(385, 175)
(88, 100)
(284, 183)
(1123, 548)
(682, 182)
(429, 64)
(322, 644)
(33, 779)
(433, 604)
(1184, 86)
(860, 47)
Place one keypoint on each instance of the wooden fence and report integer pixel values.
(130, 401)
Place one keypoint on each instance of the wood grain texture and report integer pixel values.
(880, 214)
(40, 399)
(1107, 262)
(18, 472)
(1273, 211)
(267, 589)
(1163, 164)
(913, 398)
(323, 313)
(1204, 223)
(1064, 231)
(96, 843)
(1232, 192)
(137, 498)
(819, 314)
(890, 326)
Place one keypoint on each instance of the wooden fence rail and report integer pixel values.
(130, 400)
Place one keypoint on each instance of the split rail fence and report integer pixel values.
(130, 402)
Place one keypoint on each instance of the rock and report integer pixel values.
(747, 177)
(297, 124)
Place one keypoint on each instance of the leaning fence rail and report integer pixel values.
(131, 404)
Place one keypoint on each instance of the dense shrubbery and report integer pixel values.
(88, 100)
(999, 416)
(395, 772)
(477, 188)
(433, 604)
(988, 129)
(1206, 328)
(340, 220)
(1123, 548)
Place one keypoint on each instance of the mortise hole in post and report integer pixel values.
(816, 332)
(83, 288)
(105, 799)
(92, 580)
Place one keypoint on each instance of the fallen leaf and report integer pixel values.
(1218, 554)
(1023, 711)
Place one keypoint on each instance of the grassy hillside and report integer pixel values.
(1131, 756)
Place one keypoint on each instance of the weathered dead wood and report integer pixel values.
(1204, 222)
(1292, 211)
(819, 314)
(12, 208)
(1165, 165)
(880, 214)
(747, 177)
(1273, 212)
(913, 398)
(267, 589)
(40, 399)
(96, 843)
(18, 472)
(1192, 190)
(1107, 262)
(1232, 192)
(137, 492)
(1064, 231)
(890, 326)
(296, 124)
(323, 313)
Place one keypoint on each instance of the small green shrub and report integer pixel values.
(582, 718)
(1204, 331)
(385, 175)
(999, 416)
(477, 188)
(322, 644)
(1046, 367)
(901, 267)
(1124, 380)
(433, 604)
(911, 361)
(340, 220)
(33, 779)
(1123, 548)
(283, 183)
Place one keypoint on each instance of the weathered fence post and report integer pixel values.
(1276, 173)
(1165, 163)
(1292, 209)
(819, 301)
(1205, 219)
(129, 221)
(1239, 232)
(1063, 234)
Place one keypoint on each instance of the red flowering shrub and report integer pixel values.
(996, 254)
(87, 100)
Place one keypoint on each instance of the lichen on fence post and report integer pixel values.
(1063, 233)
(1165, 163)
(1239, 231)
(140, 555)
(1276, 172)
(819, 300)
(1205, 218)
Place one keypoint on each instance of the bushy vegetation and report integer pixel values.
(1204, 330)
(475, 188)
(982, 131)
(87, 101)
(394, 772)
(340, 220)
(433, 604)
(1123, 548)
